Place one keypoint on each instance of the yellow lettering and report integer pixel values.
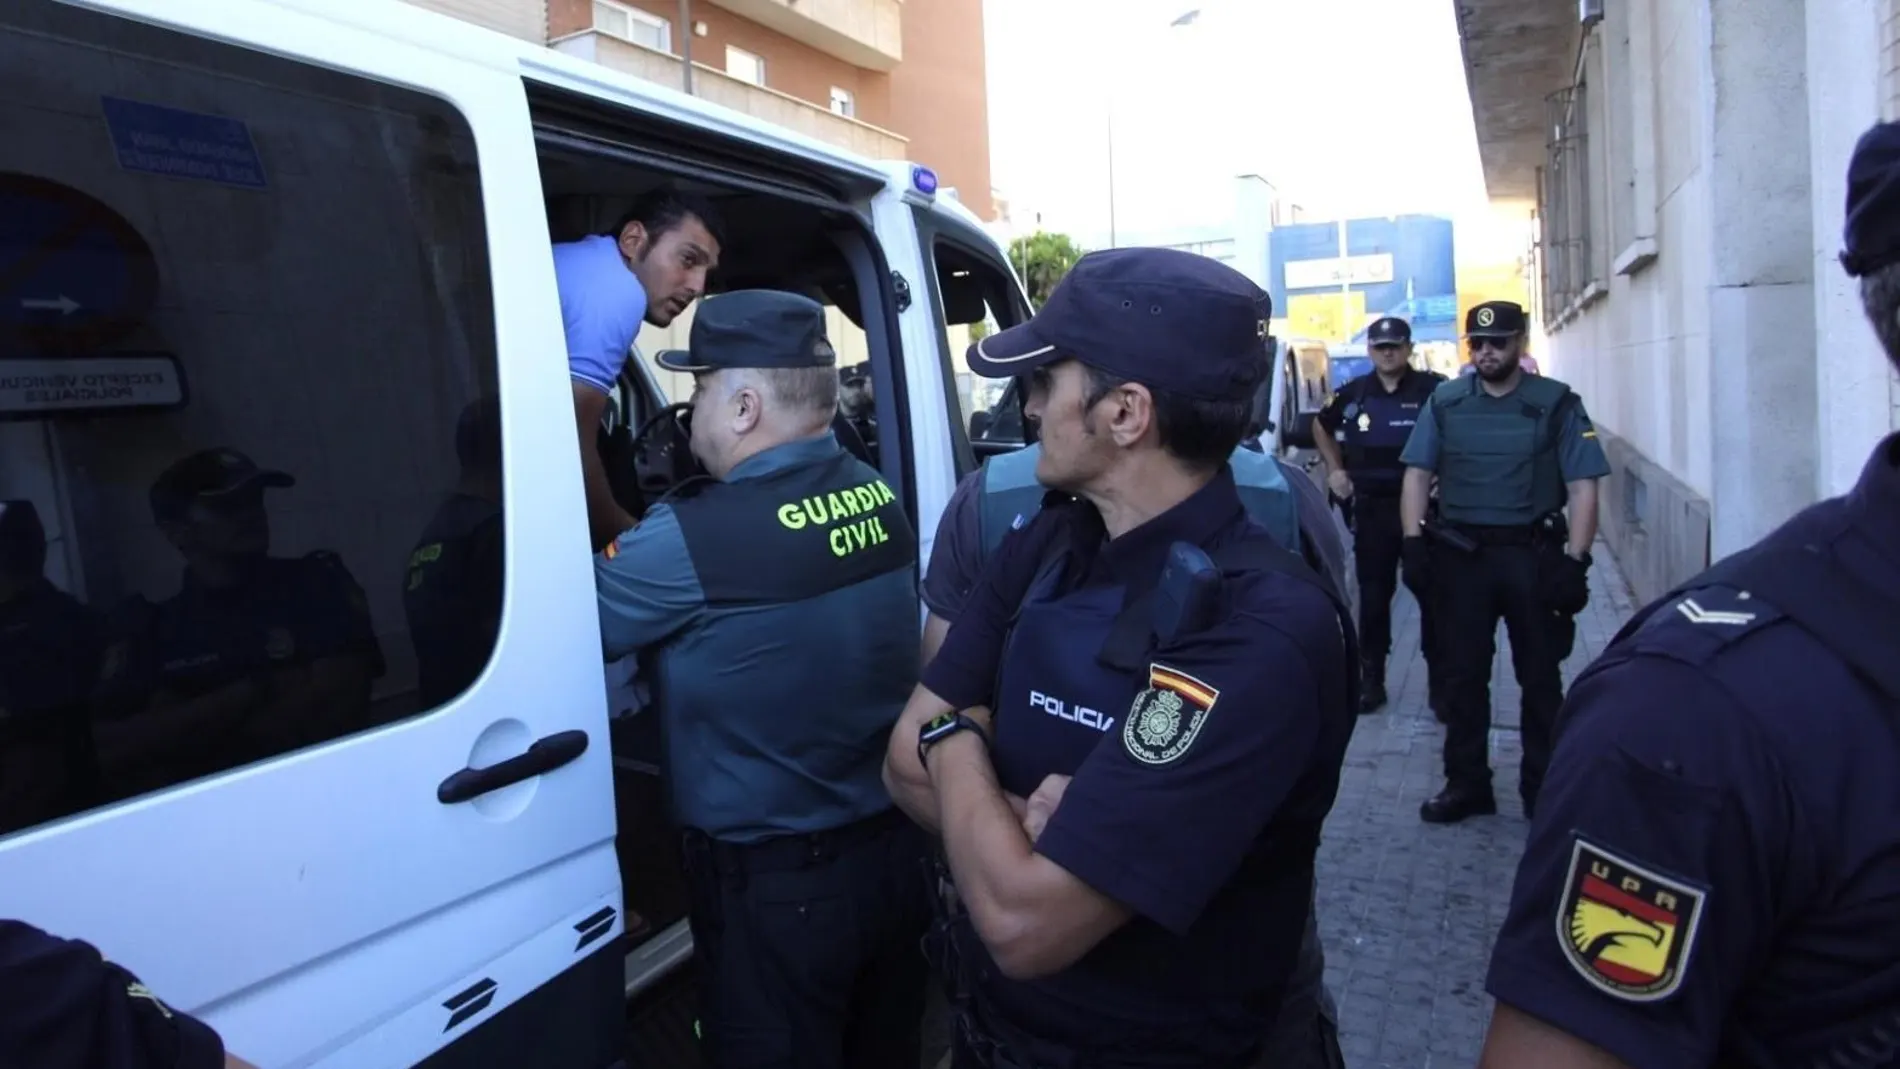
(791, 516)
(840, 545)
(884, 494)
(1665, 900)
(883, 536)
(1599, 870)
(867, 498)
(835, 506)
(1632, 885)
(815, 508)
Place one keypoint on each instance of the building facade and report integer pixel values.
(891, 79)
(1682, 165)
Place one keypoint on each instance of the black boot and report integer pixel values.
(1454, 804)
(1372, 696)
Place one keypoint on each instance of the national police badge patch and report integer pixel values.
(1627, 930)
(1167, 717)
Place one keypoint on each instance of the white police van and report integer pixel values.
(307, 235)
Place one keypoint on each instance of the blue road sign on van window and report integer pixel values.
(183, 144)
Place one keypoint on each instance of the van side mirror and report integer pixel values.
(980, 424)
(1299, 430)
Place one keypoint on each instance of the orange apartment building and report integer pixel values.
(890, 79)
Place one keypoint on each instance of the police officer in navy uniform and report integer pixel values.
(64, 1006)
(254, 656)
(1513, 453)
(1713, 876)
(50, 655)
(1129, 771)
(1367, 424)
(774, 609)
(1307, 1034)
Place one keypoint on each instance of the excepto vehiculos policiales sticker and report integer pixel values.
(1167, 716)
(1626, 929)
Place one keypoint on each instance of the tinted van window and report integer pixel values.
(250, 493)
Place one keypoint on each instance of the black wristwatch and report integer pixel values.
(942, 727)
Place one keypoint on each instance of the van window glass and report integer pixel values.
(976, 297)
(249, 442)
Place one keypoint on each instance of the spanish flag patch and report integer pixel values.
(1167, 717)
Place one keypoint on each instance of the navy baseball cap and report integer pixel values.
(1872, 232)
(210, 475)
(754, 328)
(1389, 330)
(1168, 319)
(1495, 319)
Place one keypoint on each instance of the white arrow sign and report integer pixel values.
(62, 304)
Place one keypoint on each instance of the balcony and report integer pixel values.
(863, 33)
(716, 86)
(1516, 53)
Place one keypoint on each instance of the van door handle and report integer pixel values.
(546, 755)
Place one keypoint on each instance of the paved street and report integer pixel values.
(1408, 910)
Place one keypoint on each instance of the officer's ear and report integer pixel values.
(748, 407)
(1131, 413)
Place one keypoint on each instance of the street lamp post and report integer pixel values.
(1186, 18)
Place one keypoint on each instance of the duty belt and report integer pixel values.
(1485, 534)
(787, 852)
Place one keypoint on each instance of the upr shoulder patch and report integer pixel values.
(1626, 929)
(1168, 716)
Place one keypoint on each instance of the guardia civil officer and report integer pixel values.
(1130, 799)
(256, 654)
(773, 607)
(1713, 877)
(986, 507)
(1367, 423)
(1512, 453)
(648, 269)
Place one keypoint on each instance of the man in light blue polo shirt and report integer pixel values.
(647, 269)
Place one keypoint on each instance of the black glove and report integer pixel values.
(1415, 559)
(1567, 583)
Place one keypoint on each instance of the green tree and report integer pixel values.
(1041, 259)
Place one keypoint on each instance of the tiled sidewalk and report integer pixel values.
(1408, 910)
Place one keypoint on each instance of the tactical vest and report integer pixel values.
(1012, 496)
(1377, 425)
(1497, 456)
(825, 525)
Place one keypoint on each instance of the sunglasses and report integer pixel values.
(1479, 345)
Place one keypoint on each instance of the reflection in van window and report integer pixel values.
(250, 497)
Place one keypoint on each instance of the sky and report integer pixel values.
(1354, 106)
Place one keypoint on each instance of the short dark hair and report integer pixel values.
(1880, 298)
(663, 209)
(1201, 434)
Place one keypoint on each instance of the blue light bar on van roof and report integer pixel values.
(923, 180)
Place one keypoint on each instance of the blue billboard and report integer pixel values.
(1399, 266)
